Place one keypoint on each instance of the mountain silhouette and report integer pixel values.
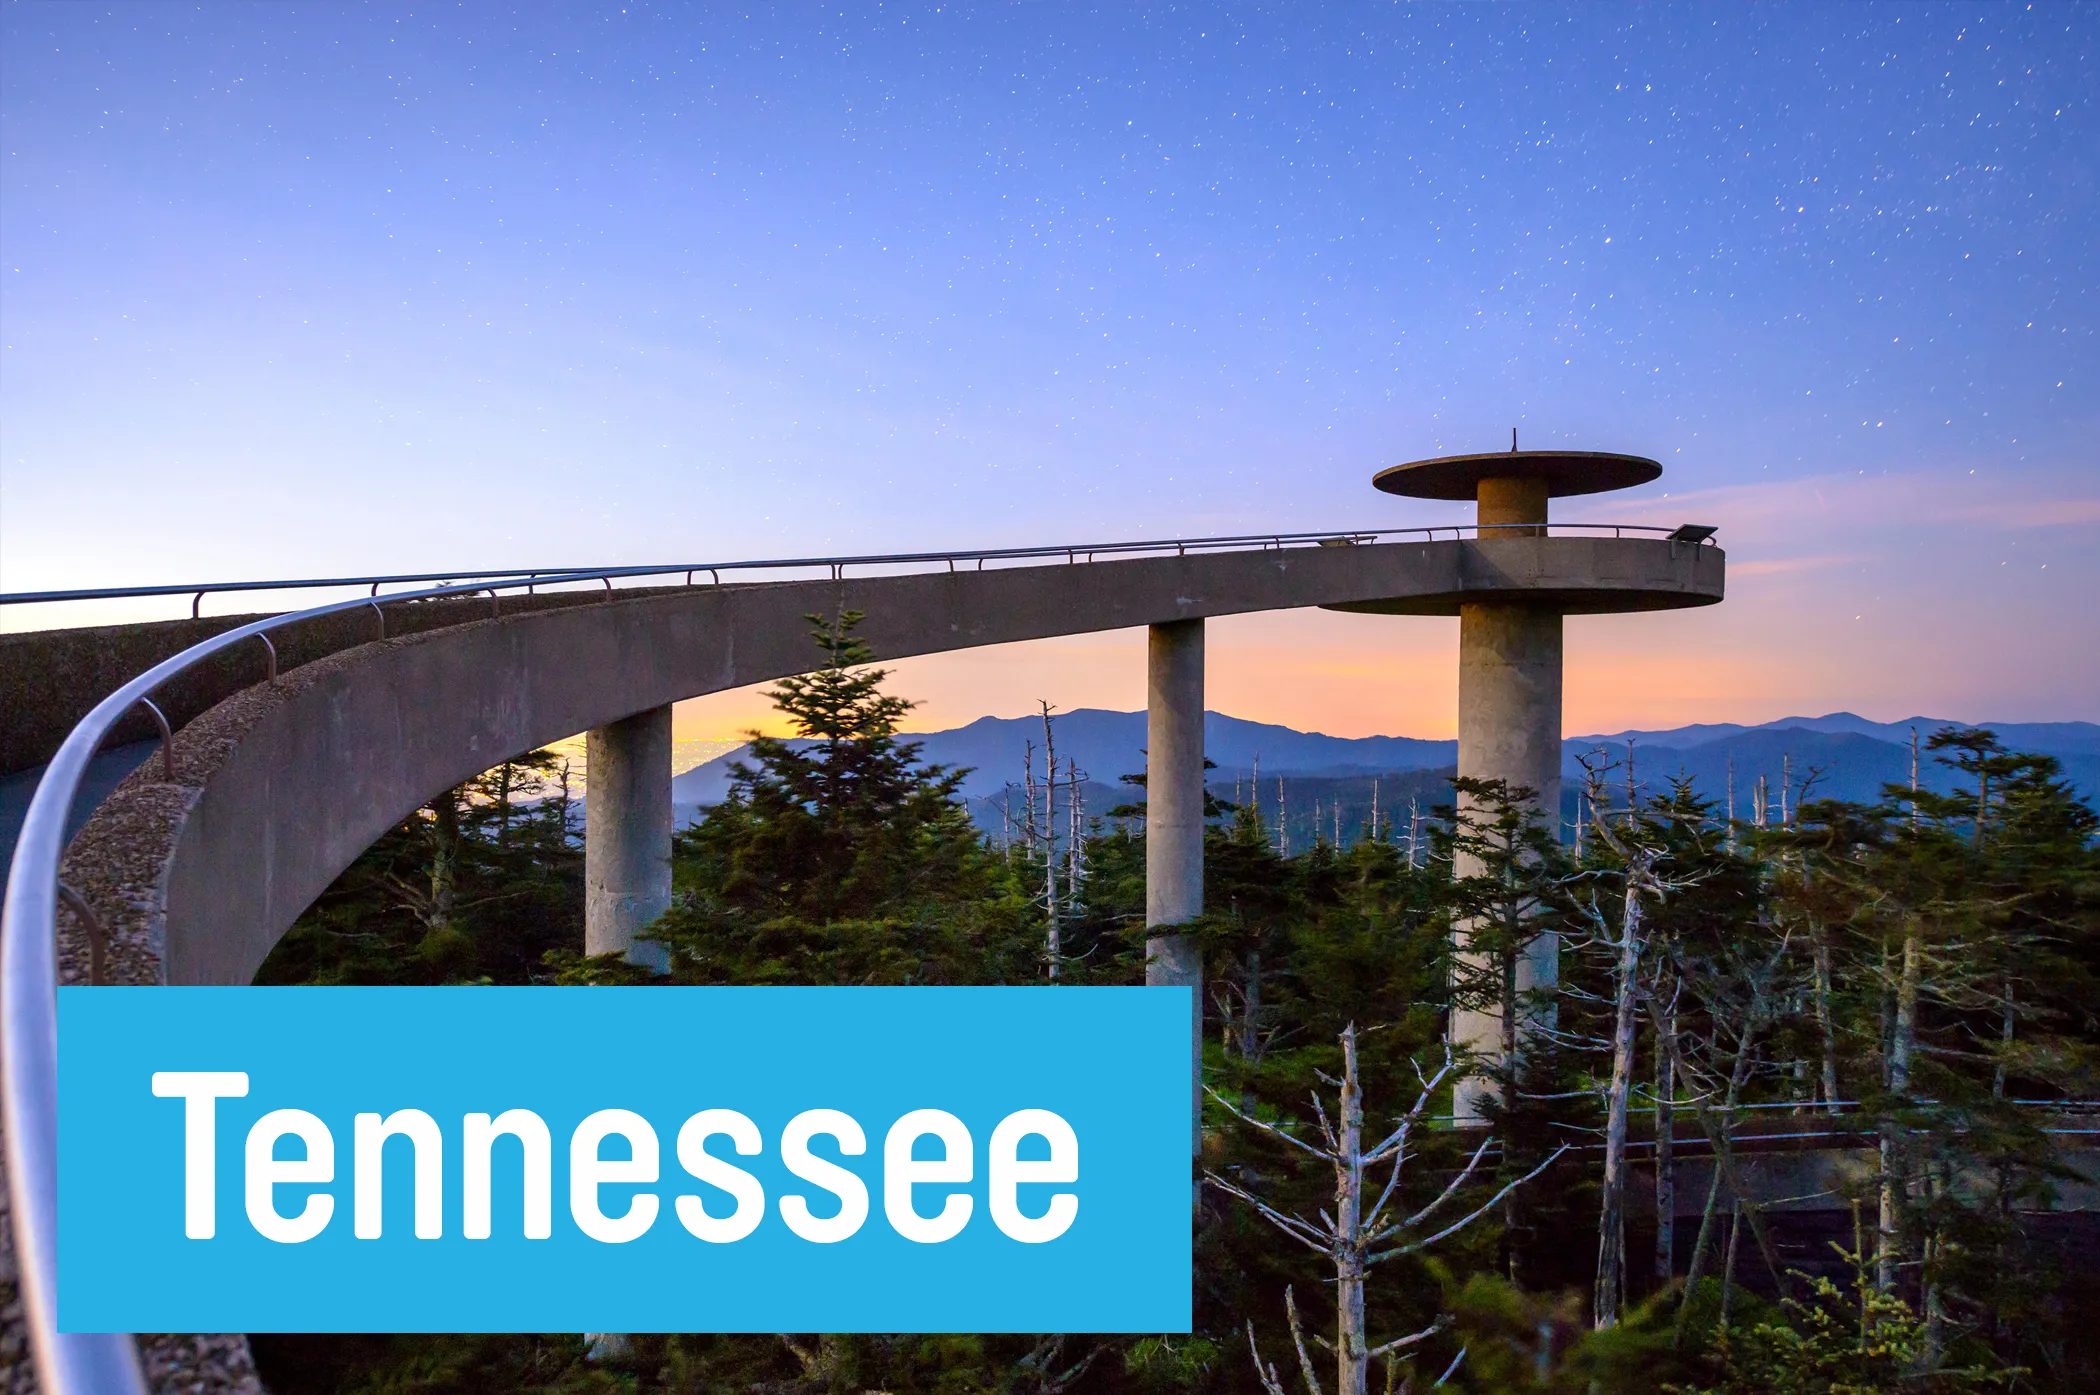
(1841, 755)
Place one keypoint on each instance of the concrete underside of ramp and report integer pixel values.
(279, 787)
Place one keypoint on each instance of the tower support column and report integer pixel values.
(627, 835)
(1509, 713)
(1509, 686)
(1174, 826)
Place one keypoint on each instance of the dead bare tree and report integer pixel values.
(1075, 835)
(1895, 1161)
(1249, 1025)
(1643, 882)
(1029, 834)
(1611, 1211)
(1053, 945)
(1731, 801)
(1040, 838)
(1826, 1023)
(1665, 1140)
(1353, 1237)
(1738, 991)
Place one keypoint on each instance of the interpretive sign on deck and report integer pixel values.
(624, 1159)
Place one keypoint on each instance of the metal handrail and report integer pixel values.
(76, 1363)
(69, 1363)
(1071, 552)
(208, 588)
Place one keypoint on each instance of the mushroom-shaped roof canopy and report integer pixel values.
(1564, 471)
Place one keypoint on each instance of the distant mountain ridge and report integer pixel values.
(1838, 756)
(1850, 756)
(2046, 738)
(1109, 745)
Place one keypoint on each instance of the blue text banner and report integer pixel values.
(624, 1159)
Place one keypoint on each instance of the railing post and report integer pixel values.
(167, 738)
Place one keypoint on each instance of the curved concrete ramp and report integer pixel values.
(279, 788)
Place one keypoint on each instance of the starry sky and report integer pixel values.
(290, 289)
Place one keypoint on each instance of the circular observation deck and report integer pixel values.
(1517, 559)
(1573, 574)
(1562, 472)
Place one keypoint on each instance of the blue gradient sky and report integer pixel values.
(292, 289)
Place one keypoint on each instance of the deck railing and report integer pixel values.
(530, 579)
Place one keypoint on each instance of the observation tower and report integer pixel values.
(1510, 613)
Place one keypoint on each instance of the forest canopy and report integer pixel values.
(1894, 1000)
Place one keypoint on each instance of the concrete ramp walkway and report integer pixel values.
(280, 787)
(275, 781)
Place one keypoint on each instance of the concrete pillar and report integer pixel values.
(626, 864)
(1509, 699)
(1508, 502)
(627, 835)
(1509, 673)
(1174, 824)
(1509, 665)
